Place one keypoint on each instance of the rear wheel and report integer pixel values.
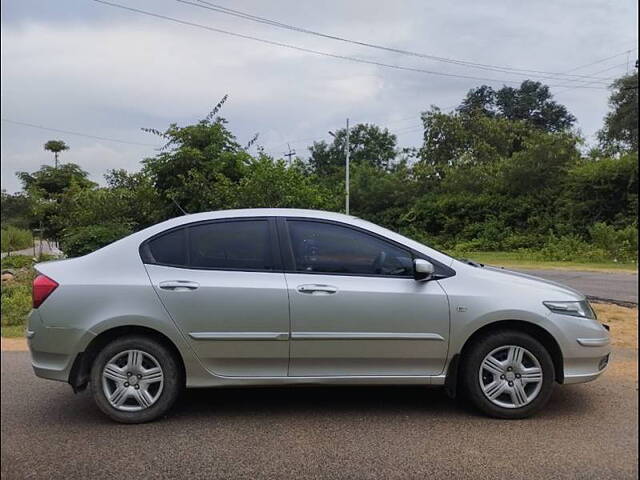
(135, 379)
(508, 374)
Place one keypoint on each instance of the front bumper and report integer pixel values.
(588, 358)
(585, 346)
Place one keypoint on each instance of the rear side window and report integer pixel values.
(328, 248)
(242, 245)
(167, 249)
(233, 245)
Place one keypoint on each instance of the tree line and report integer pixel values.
(506, 170)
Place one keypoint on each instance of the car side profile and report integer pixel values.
(285, 297)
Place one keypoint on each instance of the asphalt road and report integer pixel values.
(603, 285)
(48, 248)
(587, 431)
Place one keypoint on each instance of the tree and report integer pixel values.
(15, 209)
(531, 102)
(196, 157)
(620, 131)
(383, 196)
(56, 146)
(605, 190)
(488, 179)
(46, 188)
(51, 181)
(481, 100)
(271, 183)
(368, 145)
(457, 139)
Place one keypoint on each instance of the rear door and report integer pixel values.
(355, 307)
(222, 283)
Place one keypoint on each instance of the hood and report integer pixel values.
(532, 281)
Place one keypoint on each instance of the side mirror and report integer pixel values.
(422, 270)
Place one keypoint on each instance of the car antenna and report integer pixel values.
(178, 205)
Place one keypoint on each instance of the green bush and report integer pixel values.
(15, 239)
(563, 248)
(16, 302)
(606, 244)
(17, 261)
(620, 245)
(83, 240)
(24, 261)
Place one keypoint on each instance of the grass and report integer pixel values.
(515, 260)
(12, 331)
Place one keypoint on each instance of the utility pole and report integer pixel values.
(290, 154)
(347, 170)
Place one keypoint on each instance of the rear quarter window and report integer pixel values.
(167, 249)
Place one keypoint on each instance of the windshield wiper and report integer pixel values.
(471, 262)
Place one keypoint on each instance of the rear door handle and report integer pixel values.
(317, 289)
(179, 285)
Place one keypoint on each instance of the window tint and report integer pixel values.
(167, 249)
(329, 248)
(237, 245)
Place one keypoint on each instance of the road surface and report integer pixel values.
(48, 248)
(587, 431)
(620, 286)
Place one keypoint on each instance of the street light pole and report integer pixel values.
(346, 181)
(347, 171)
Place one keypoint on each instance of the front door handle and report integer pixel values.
(179, 285)
(317, 289)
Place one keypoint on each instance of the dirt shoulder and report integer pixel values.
(623, 322)
(18, 344)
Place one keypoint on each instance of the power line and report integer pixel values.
(80, 134)
(400, 131)
(562, 88)
(315, 52)
(275, 23)
(601, 60)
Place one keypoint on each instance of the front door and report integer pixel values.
(220, 283)
(355, 307)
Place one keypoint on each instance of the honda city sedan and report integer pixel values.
(302, 297)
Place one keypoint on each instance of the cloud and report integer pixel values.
(94, 69)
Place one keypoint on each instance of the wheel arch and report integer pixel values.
(80, 371)
(536, 331)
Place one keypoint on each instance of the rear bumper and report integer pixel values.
(54, 349)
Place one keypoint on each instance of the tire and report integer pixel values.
(490, 368)
(143, 379)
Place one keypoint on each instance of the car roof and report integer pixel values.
(292, 212)
(263, 212)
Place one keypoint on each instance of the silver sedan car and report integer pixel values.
(302, 297)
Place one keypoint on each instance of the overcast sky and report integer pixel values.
(85, 67)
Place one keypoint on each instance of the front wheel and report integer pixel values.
(135, 379)
(508, 374)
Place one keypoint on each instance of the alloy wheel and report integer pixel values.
(132, 380)
(510, 376)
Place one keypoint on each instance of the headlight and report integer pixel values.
(575, 309)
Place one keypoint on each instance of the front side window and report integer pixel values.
(233, 245)
(329, 248)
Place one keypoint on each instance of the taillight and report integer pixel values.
(43, 286)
